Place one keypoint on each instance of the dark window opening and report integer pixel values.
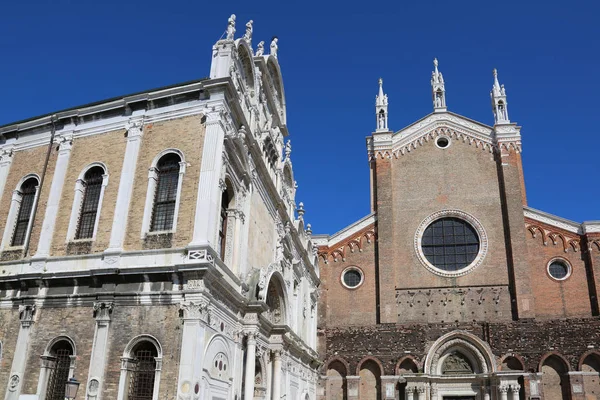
(142, 372)
(352, 278)
(163, 213)
(223, 224)
(59, 370)
(558, 270)
(450, 244)
(27, 192)
(92, 183)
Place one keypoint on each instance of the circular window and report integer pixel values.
(442, 142)
(450, 243)
(559, 269)
(352, 277)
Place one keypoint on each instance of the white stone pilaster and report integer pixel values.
(209, 194)
(276, 375)
(119, 225)
(192, 345)
(95, 380)
(250, 366)
(15, 381)
(6, 157)
(65, 141)
(503, 390)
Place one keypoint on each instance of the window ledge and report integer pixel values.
(157, 233)
(14, 248)
(87, 240)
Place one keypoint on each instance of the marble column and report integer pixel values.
(135, 132)
(421, 392)
(209, 192)
(15, 381)
(102, 313)
(250, 367)
(409, 392)
(503, 390)
(65, 142)
(195, 313)
(276, 375)
(514, 390)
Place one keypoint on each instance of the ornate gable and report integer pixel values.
(388, 144)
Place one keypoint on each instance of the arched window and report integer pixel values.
(163, 197)
(58, 364)
(92, 183)
(140, 370)
(225, 200)
(166, 193)
(141, 380)
(26, 196)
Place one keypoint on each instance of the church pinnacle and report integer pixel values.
(499, 103)
(438, 90)
(381, 109)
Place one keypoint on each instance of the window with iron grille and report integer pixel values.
(223, 224)
(165, 196)
(92, 183)
(450, 244)
(141, 378)
(59, 372)
(27, 192)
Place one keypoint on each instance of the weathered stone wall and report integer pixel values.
(9, 331)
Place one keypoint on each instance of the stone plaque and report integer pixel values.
(577, 388)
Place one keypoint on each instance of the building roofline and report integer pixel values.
(328, 240)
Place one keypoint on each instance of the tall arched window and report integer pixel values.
(59, 369)
(26, 193)
(140, 370)
(225, 199)
(92, 183)
(165, 197)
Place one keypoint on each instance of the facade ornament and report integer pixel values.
(438, 89)
(102, 310)
(503, 388)
(274, 46)
(134, 128)
(288, 149)
(381, 109)
(260, 49)
(499, 103)
(222, 185)
(194, 310)
(248, 34)
(231, 27)
(26, 313)
(13, 383)
(301, 210)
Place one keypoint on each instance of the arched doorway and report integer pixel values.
(370, 381)
(555, 381)
(336, 381)
(591, 381)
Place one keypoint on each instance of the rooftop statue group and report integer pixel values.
(230, 35)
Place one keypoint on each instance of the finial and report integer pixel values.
(301, 209)
(438, 89)
(308, 229)
(435, 63)
(231, 27)
(381, 105)
(499, 103)
(380, 82)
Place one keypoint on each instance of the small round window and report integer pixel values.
(352, 277)
(450, 244)
(442, 142)
(559, 269)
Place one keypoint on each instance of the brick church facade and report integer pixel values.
(453, 288)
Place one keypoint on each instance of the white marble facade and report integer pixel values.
(247, 303)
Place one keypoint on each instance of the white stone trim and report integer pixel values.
(13, 213)
(443, 137)
(78, 202)
(562, 261)
(124, 377)
(591, 226)
(552, 220)
(151, 192)
(483, 242)
(323, 240)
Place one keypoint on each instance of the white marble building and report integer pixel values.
(184, 269)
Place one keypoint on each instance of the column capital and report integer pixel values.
(103, 310)
(194, 310)
(135, 128)
(515, 388)
(503, 388)
(26, 312)
(65, 142)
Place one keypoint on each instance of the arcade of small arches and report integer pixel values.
(460, 365)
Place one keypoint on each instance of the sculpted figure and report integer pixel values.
(248, 34)
(381, 121)
(260, 49)
(231, 27)
(274, 47)
(438, 100)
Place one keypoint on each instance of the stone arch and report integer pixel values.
(475, 350)
(57, 366)
(555, 379)
(274, 295)
(217, 358)
(140, 338)
(246, 63)
(56, 340)
(407, 364)
(336, 359)
(370, 370)
(589, 364)
(92, 165)
(555, 354)
(26, 178)
(590, 358)
(336, 371)
(511, 362)
(164, 153)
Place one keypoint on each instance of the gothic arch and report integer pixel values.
(246, 63)
(511, 358)
(594, 353)
(274, 72)
(476, 350)
(557, 355)
(406, 360)
(369, 358)
(333, 359)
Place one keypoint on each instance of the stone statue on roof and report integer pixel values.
(274, 46)
(260, 49)
(231, 27)
(248, 34)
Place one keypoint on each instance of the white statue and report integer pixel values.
(288, 149)
(231, 27)
(438, 100)
(260, 49)
(381, 121)
(441, 77)
(274, 47)
(248, 34)
(502, 90)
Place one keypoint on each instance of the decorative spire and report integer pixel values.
(499, 103)
(438, 90)
(381, 109)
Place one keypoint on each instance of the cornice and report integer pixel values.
(553, 220)
(345, 233)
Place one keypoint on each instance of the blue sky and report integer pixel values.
(59, 54)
